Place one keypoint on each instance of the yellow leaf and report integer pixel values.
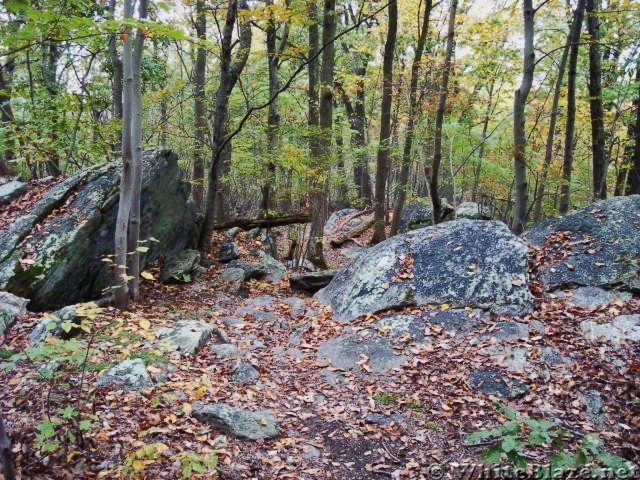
(187, 408)
(145, 324)
(445, 306)
(147, 275)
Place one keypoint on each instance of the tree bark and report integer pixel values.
(221, 150)
(6, 455)
(548, 153)
(519, 136)
(355, 232)
(442, 101)
(319, 192)
(6, 115)
(384, 145)
(595, 101)
(413, 116)
(569, 140)
(116, 64)
(199, 105)
(633, 178)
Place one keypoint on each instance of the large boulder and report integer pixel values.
(415, 215)
(56, 259)
(334, 221)
(598, 246)
(465, 263)
(473, 211)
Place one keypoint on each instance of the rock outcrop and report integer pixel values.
(57, 259)
(466, 263)
(12, 308)
(603, 244)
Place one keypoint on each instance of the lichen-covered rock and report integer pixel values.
(466, 263)
(622, 329)
(603, 241)
(187, 336)
(415, 215)
(251, 425)
(228, 251)
(127, 375)
(182, 267)
(402, 328)
(593, 297)
(473, 211)
(12, 308)
(311, 282)
(51, 325)
(10, 190)
(245, 373)
(63, 258)
(494, 382)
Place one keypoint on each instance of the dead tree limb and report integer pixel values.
(356, 232)
(249, 223)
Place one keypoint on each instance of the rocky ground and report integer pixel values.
(382, 396)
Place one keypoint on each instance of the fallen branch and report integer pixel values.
(249, 223)
(351, 234)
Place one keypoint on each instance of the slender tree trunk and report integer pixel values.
(519, 135)
(6, 455)
(221, 149)
(413, 117)
(128, 219)
(199, 105)
(633, 178)
(548, 153)
(319, 193)
(485, 126)
(6, 115)
(569, 140)
(384, 146)
(50, 57)
(595, 101)
(116, 63)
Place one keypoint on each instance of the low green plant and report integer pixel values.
(520, 432)
(191, 463)
(384, 398)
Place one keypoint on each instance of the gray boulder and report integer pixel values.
(63, 262)
(402, 328)
(126, 375)
(183, 267)
(345, 351)
(311, 282)
(245, 373)
(250, 425)
(603, 241)
(593, 297)
(473, 211)
(11, 190)
(12, 308)
(623, 328)
(415, 215)
(335, 218)
(493, 382)
(467, 263)
(228, 251)
(275, 270)
(187, 336)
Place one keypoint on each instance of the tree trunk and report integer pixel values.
(519, 136)
(50, 57)
(569, 140)
(6, 455)
(128, 219)
(221, 153)
(199, 106)
(595, 101)
(442, 101)
(6, 115)
(384, 146)
(633, 178)
(319, 194)
(116, 64)
(485, 127)
(413, 116)
(548, 153)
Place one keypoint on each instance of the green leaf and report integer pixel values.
(509, 443)
(492, 454)
(475, 437)
(518, 460)
(68, 412)
(142, 249)
(85, 425)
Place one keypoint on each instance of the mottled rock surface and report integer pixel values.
(64, 259)
(604, 243)
(12, 308)
(187, 336)
(466, 263)
(127, 375)
(182, 267)
(250, 425)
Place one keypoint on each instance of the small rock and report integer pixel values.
(253, 233)
(594, 408)
(160, 372)
(11, 190)
(12, 308)
(245, 373)
(187, 336)
(311, 282)
(553, 356)
(228, 252)
(127, 375)
(227, 350)
(593, 297)
(275, 270)
(257, 314)
(402, 327)
(298, 306)
(510, 332)
(51, 325)
(232, 274)
(265, 301)
(251, 269)
(183, 267)
(311, 453)
(493, 382)
(233, 232)
(380, 419)
(623, 328)
(251, 425)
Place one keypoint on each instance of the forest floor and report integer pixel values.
(423, 412)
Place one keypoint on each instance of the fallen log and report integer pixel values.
(351, 234)
(249, 223)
